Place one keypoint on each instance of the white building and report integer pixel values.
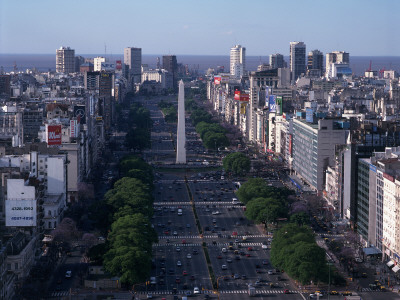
(237, 61)
(97, 61)
(160, 75)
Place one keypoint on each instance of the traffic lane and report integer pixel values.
(172, 225)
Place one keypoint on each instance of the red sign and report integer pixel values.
(118, 65)
(244, 97)
(53, 135)
(237, 95)
(290, 145)
(388, 177)
(217, 79)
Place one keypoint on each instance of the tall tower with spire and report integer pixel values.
(181, 135)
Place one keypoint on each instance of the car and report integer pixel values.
(244, 276)
(178, 263)
(177, 280)
(313, 296)
(184, 273)
(236, 276)
(195, 252)
(228, 260)
(250, 249)
(223, 250)
(68, 274)
(224, 267)
(178, 249)
(334, 293)
(286, 291)
(217, 212)
(192, 277)
(175, 233)
(171, 271)
(219, 256)
(237, 257)
(271, 272)
(196, 290)
(187, 225)
(248, 255)
(188, 255)
(265, 262)
(183, 241)
(364, 275)
(149, 296)
(346, 293)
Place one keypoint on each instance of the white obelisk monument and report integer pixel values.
(181, 136)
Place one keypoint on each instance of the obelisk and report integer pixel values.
(181, 137)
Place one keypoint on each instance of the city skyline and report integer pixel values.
(191, 28)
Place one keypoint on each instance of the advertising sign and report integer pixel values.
(224, 78)
(118, 65)
(279, 105)
(80, 112)
(73, 128)
(244, 97)
(272, 103)
(290, 144)
(243, 108)
(217, 79)
(309, 115)
(20, 213)
(53, 135)
(237, 95)
(266, 97)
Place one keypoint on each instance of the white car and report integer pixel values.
(270, 272)
(224, 267)
(175, 233)
(178, 249)
(178, 263)
(215, 212)
(196, 290)
(68, 274)
(189, 255)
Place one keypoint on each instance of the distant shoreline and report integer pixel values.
(46, 62)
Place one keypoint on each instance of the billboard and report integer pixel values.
(290, 144)
(73, 128)
(279, 105)
(309, 115)
(217, 79)
(118, 65)
(20, 213)
(224, 78)
(53, 135)
(266, 105)
(243, 108)
(272, 103)
(80, 113)
(237, 95)
(244, 97)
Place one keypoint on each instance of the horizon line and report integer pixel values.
(121, 54)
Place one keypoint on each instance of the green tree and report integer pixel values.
(213, 140)
(145, 177)
(300, 218)
(237, 163)
(265, 210)
(138, 139)
(129, 256)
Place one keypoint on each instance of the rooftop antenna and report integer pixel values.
(105, 50)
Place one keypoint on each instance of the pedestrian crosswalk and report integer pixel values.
(213, 204)
(59, 294)
(178, 245)
(208, 244)
(239, 237)
(258, 291)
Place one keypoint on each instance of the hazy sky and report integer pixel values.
(202, 27)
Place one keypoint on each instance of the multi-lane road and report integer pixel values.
(202, 234)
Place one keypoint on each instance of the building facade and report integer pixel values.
(237, 61)
(65, 60)
(297, 59)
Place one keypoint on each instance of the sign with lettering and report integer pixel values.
(53, 135)
(20, 213)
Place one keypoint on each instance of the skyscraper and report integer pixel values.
(133, 60)
(297, 59)
(170, 64)
(238, 61)
(315, 63)
(276, 61)
(65, 60)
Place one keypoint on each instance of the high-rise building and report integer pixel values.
(339, 57)
(65, 60)
(238, 61)
(5, 88)
(297, 59)
(170, 64)
(97, 61)
(276, 61)
(315, 63)
(133, 61)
